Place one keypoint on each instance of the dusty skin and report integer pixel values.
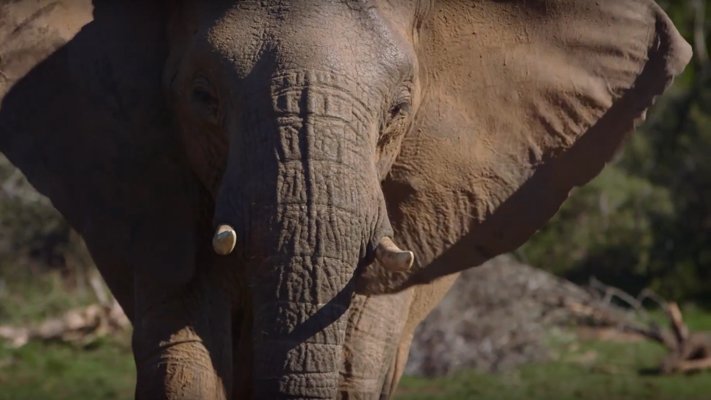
(322, 137)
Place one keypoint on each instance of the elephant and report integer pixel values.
(278, 192)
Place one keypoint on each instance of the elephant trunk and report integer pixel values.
(313, 214)
(299, 323)
(302, 289)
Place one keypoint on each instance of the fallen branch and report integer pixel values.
(81, 325)
(694, 365)
(681, 332)
(688, 351)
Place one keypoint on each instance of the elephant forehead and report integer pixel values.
(345, 37)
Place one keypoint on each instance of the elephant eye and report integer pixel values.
(400, 109)
(396, 121)
(205, 101)
(402, 104)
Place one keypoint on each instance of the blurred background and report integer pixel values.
(612, 299)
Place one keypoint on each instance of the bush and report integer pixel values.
(646, 220)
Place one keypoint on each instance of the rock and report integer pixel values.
(496, 316)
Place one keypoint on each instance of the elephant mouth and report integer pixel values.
(387, 253)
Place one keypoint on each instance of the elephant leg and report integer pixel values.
(182, 343)
(397, 367)
(375, 324)
(242, 354)
(424, 299)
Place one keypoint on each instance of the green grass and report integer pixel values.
(59, 371)
(582, 371)
(101, 370)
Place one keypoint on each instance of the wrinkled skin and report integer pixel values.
(314, 129)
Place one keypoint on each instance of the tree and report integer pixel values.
(646, 220)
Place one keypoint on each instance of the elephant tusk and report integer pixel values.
(392, 257)
(224, 240)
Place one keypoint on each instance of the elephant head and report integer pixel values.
(248, 166)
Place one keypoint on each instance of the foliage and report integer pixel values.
(29, 228)
(39, 254)
(646, 220)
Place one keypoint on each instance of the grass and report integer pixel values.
(59, 371)
(581, 370)
(102, 370)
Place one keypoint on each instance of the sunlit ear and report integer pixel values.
(524, 100)
(83, 117)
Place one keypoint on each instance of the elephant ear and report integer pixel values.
(82, 116)
(523, 101)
